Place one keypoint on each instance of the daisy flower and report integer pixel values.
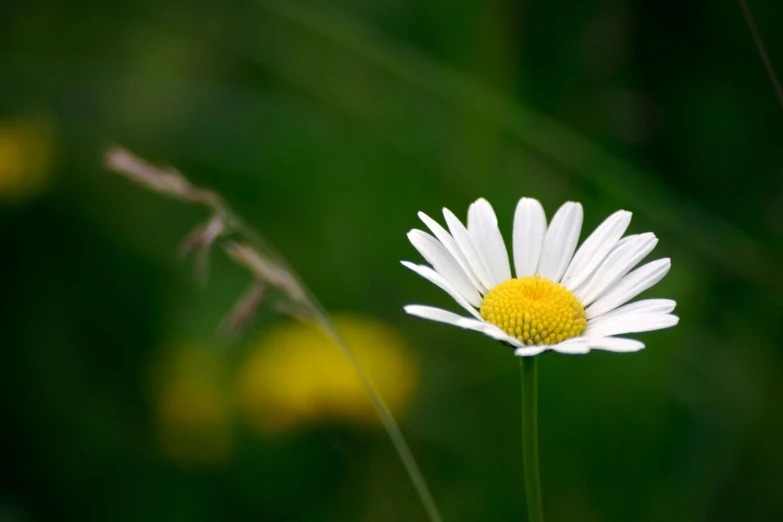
(564, 299)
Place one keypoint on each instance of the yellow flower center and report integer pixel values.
(534, 310)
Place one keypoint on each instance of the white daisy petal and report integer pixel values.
(629, 287)
(575, 346)
(645, 306)
(435, 278)
(483, 230)
(444, 263)
(616, 344)
(595, 248)
(451, 245)
(444, 316)
(528, 236)
(560, 241)
(529, 351)
(626, 239)
(436, 314)
(465, 243)
(497, 334)
(619, 262)
(630, 323)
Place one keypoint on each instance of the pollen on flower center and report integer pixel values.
(534, 310)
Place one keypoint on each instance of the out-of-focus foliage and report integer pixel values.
(328, 125)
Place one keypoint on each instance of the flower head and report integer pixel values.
(564, 299)
(192, 406)
(297, 376)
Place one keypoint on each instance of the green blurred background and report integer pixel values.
(328, 125)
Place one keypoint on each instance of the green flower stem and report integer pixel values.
(535, 508)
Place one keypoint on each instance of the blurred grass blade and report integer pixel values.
(722, 242)
(269, 269)
(773, 77)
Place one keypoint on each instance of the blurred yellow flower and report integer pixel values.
(26, 148)
(192, 408)
(297, 375)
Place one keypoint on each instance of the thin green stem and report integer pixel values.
(535, 508)
(322, 318)
(392, 429)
